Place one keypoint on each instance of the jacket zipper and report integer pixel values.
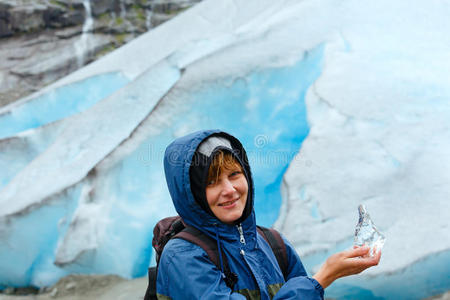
(241, 237)
(242, 252)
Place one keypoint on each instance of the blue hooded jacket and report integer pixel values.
(186, 272)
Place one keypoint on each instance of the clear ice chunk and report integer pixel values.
(366, 232)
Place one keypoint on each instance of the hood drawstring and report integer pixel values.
(229, 277)
(219, 249)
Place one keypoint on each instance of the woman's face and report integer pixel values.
(228, 195)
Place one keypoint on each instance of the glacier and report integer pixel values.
(337, 103)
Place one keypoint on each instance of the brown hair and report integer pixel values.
(222, 161)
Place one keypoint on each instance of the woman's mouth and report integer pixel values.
(229, 204)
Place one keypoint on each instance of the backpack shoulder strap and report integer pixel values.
(209, 245)
(195, 236)
(275, 241)
(150, 293)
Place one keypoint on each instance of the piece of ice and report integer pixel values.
(366, 232)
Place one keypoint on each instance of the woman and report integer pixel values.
(210, 182)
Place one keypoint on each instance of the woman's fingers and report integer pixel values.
(367, 261)
(356, 252)
(377, 256)
(359, 259)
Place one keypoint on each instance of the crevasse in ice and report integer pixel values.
(366, 232)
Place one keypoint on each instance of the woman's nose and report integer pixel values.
(227, 187)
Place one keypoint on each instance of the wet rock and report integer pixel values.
(56, 16)
(45, 290)
(445, 296)
(72, 4)
(5, 24)
(71, 18)
(29, 290)
(56, 58)
(29, 63)
(171, 6)
(99, 7)
(71, 286)
(5, 28)
(27, 18)
(37, 38)
(20, 291)
(163, 10)
(69, 32)
(9, 291)
(54, 292)
(53, 16)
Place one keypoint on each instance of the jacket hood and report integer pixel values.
(178, 159)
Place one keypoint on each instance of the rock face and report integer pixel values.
(43, 40)
(34, 61)
(27, 16)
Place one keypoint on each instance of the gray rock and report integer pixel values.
(5, 28)
(159, 18)
(71, 286)
(171, 6)
(56, 59)
(5, 24)
(92, 287)
(44, 33)
(83, 284)
(164, 10)
(445, 296)
(32, 16)
(54, 16)
(27, 18)
(71, 18)
(9, 291)
(28, 63)
(69, 32)
(99, 7)
(54, 292)
(73, 4)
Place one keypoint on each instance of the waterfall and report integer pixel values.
(148, 19)
(123, 10)
(81, 46)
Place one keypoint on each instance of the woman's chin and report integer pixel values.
(231, 217)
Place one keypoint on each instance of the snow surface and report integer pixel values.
(340, 103)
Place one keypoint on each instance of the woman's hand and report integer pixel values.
(346, 263)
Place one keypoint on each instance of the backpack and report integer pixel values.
(174, 227)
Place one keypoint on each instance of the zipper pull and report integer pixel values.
(241, 233)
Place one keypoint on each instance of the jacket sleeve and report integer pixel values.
(298, 284)
(186, 272)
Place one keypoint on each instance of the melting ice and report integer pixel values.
(366, 232)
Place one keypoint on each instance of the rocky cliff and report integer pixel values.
(43, 40)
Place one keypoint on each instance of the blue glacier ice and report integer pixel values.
(59, 103)
(132, 193)
(337, 104)
(18, 151)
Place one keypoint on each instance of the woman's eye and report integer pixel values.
(235, 173)
(212, 182)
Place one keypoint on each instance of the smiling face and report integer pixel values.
(227, 188)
